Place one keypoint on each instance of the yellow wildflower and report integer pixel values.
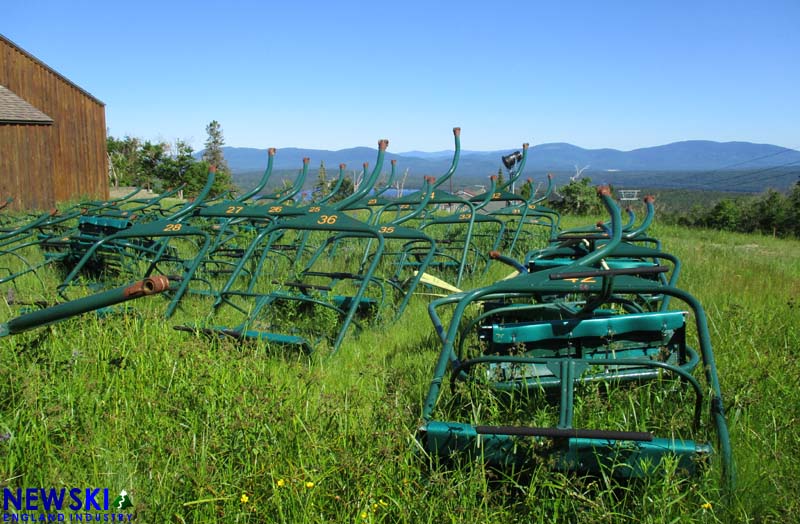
(244, 498)
(364, 515)
(281, 483)
(383, 503)
(707, 505)
(309, 484)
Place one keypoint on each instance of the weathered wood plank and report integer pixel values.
(41, 165)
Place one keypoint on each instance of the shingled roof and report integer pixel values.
(15, 110)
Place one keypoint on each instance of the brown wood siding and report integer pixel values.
(41, 165)
(30, 186)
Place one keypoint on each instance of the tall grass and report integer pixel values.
(188, 426)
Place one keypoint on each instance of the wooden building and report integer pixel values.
(52, 134)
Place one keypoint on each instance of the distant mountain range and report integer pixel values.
(604, 165)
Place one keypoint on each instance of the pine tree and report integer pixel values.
(214, 156)
(500, 179)
(321, 188)
(213, 152)
(526, 190)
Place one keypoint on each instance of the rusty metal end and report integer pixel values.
(156, 284)
(600, 223)
(271, 151)
(53, 212)
(493, 178)
(628, 209)
(383, 144)
(526, 145)
(649, 199)
(494, 255)
(394, 161)
(342, 166)
(366, 165)
(530, 180)
(134, 290)
(148, 286)
(550, 175)
(604, 191)
(456, 131)
(212, 169)
(306, 160)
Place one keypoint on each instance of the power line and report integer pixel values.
(786, 150)
(739, 176)
(735, 164)
(779, 175)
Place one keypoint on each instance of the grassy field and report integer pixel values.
(200, 431)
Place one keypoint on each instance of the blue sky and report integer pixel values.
(344, 74)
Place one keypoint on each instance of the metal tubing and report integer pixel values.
(43, 317)
(604, 434)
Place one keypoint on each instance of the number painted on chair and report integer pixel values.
(587, 280)
(327, 219)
